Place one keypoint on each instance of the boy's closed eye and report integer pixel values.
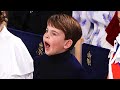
(54, 33)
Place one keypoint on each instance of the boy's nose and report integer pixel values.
(46, 35)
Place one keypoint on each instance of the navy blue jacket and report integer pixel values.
(60, 66)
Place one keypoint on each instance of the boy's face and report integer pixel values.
(54, 41)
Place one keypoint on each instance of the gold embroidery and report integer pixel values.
(89, 58)
(40, 49)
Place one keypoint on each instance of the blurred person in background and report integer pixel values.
(15, 60)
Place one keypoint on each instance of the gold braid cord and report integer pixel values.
(40, 49)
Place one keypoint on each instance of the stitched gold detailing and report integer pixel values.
(40, 49)
(89, 58)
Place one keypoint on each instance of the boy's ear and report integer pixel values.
(68, 43)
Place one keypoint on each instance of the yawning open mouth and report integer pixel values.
(47, 45)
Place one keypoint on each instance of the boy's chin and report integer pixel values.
(50, 53)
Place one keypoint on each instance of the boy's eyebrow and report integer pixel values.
(55, 32)
(52, 30)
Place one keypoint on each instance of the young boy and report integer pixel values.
(62, 33)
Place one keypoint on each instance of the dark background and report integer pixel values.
(34, 22)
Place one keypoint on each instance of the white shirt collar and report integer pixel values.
(4, 32)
